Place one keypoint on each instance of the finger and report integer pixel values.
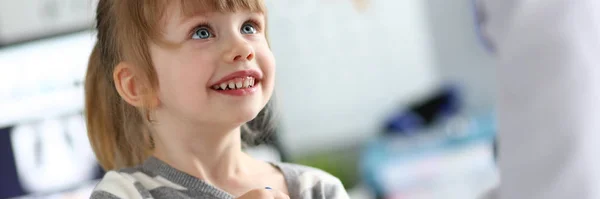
(277, 194)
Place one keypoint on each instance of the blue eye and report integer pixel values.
(248, 28)
(202, 33)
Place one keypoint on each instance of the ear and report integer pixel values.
(129, 86)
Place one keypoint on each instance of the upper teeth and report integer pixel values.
(236, 83)
(246, 83)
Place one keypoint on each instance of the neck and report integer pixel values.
(211, 155)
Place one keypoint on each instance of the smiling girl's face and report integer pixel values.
(222, 70)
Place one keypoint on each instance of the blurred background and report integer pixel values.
(394, 97)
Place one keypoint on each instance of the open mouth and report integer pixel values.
(237, 84)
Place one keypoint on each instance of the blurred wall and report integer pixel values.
(340, 71)
(458, 54)
(28, 20)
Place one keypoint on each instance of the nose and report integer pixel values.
(239, 50)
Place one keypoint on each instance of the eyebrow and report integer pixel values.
(188, 19)
(184, 21)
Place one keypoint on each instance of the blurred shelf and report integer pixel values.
(42, 79)
(59, 103)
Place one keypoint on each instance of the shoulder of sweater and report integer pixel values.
(308, 174)
(117, 185)
(313, 180)
(131, 183)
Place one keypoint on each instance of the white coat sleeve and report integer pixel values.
(548, 97)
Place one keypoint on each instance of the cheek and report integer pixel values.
(269, 68)
(183, 80)
(266, 61)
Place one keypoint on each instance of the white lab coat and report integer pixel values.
(548, 97)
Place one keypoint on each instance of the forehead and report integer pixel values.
(194, 7)
(188, 8)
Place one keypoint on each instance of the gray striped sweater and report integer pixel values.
(155, 179)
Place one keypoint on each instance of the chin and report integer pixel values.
(245, 114)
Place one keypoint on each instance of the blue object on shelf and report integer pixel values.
(442, 105)
(390, 149)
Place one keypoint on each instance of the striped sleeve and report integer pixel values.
(103, 195)
(115, 185)
(309, 182)
(334, 190)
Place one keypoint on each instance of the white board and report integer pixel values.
(340, 71)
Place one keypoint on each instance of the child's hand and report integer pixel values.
(267, 193)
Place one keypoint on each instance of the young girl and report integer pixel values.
(170, 87)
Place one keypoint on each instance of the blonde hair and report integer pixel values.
(119, 132)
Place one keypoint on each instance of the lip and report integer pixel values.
(239, 74)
